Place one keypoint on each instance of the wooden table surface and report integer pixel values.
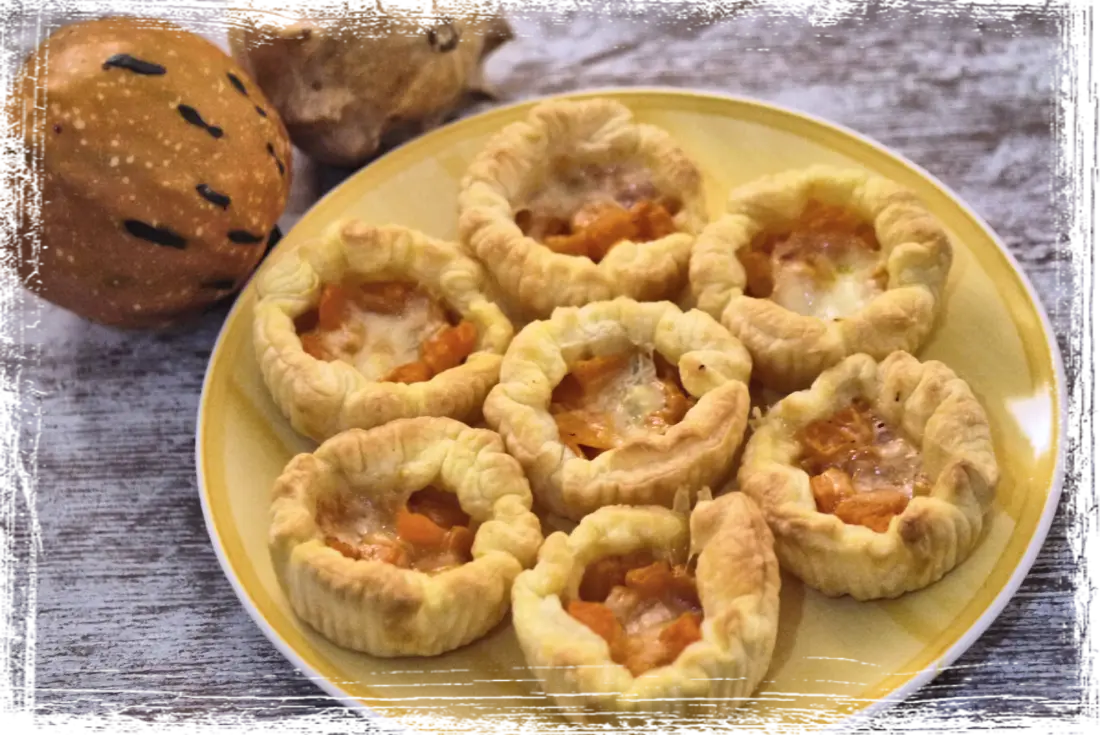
(134, 615)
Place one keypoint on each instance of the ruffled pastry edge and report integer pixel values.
(534, 279)
(789, 350)
(375, 607)
(738, 580)
(322, 398)
(713, 366)
(934, 408)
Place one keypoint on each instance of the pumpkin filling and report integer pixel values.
(828, 265)
(390, 331)
(647, 610)
(428, 533)
(607, 401)
(861, 469)
(587, 210)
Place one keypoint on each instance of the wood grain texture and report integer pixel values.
(134, 614)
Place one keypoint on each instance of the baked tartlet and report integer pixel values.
(370, 324)
(809, 266)
(875, 480)
(641, 610)
(621, 402)
(405, 539)
(580, 203)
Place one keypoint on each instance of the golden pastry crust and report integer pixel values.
(935, 410)
(789, 349)
(699, 450)
(517, 161)
(737, 577)
(376, 607)
(322, 398)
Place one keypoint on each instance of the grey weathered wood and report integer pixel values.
(134, 615)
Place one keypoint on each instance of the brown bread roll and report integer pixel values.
(163, 169)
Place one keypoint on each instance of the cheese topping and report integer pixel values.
(631, 396)
(829, 265)
(351, 518)
(847, 289)
(377, 343)
(389, 331)
(428, 533)
(586, 211)
(640, 615)
(647, 611)
(607, 401)
(862, 469)
(894, 464)
(576, 195)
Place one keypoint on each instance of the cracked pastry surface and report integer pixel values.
(641, 609)
(809, 266)
(876, 479)
(365, 325)
(403, 540)
(621, 402)
(581, 203)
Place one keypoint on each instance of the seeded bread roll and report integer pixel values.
(163, 171)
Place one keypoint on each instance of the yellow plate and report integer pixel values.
(835, 659)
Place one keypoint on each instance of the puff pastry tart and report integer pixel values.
(369, 324)
(639, 609)
(621, 402)
(810, 266)
(876, 480)
(580, 203)
(405, 539)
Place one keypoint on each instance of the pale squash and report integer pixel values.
(348, 86)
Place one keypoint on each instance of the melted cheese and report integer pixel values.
(872, 453)
(369, 530)
(643, 616)
(842, 293)
(574, 196)
(377, 343)
(653, 615)
(631, 396)
(895, 464)
(352, 519)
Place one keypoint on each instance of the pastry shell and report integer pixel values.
(737, 576)
(789, 349)
(534, 279)
(938, 413)
(322, 398)
(375, 607)
(699, 450)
